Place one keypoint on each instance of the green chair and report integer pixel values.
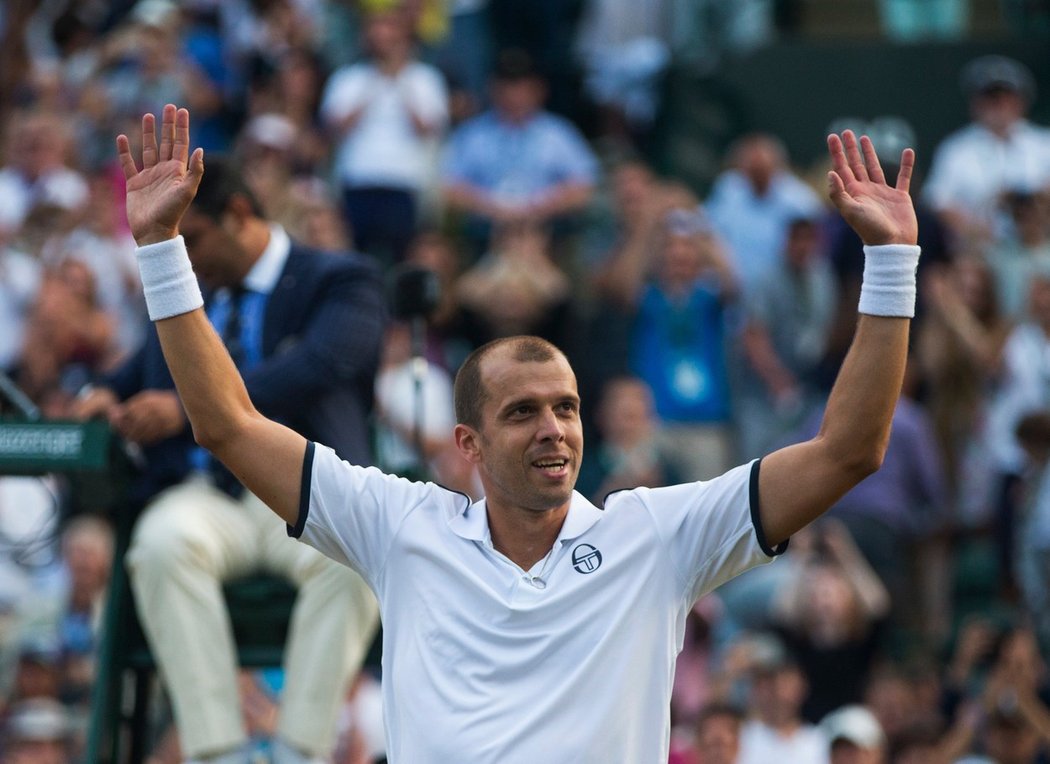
(260, 612)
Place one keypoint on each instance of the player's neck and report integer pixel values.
(524, 536)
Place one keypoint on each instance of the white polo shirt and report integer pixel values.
(571, 661)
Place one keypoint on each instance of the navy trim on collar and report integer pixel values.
(295, 531)
(756, 517)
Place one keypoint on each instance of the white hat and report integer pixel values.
(854, 724)
(38, 719)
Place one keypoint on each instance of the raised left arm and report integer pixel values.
(799, 483)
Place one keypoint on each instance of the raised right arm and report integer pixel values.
(267, 457)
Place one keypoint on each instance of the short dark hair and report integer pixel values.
(221, 182)
(469, 390)
(719, 709)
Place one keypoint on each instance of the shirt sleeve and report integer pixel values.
(346, 92)
(352, 514)
(576, 161)
(429, 97)
(712, 529)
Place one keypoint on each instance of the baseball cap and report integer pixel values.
(994, 72)
(854, 724)
(38, 719)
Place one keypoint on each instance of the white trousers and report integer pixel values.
(192, 538)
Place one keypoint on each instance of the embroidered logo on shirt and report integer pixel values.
(586, 559)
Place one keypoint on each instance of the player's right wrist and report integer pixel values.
(155, 236)
(168, 281)
(888, 287)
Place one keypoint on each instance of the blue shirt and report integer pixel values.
(518, 162)
(678, 348)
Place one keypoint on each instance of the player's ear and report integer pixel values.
(468, 442)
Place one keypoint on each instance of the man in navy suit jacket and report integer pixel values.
(304, 327)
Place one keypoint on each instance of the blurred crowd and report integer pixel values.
(910, 625)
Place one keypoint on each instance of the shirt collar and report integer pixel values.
(266, 271)
(473, 522)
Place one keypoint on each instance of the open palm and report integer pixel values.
(159, 194)
(878, 212)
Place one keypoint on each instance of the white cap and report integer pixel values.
(38, 719)
(856, 725)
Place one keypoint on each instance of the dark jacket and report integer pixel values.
(322, 333)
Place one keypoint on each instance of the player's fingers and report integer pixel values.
(167, 132)
(837, 189)
(127, 162)
(838, 158)
(907, 167)
(149, 141)
(871, 160)
(853, 157)
(196, 168)
(181, 149)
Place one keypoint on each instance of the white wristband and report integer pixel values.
(888, 288)
(167, 279)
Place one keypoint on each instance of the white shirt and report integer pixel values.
(265, 272)
(761, 744)
(383, 148)
(571, 661)
(973, 166)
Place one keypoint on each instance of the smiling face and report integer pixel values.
(528, 444)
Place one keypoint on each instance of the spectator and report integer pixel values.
(624, 48)
(678, 344)
(385, 112)
(312, 216)
(516, 162)
(959, 348)
(830, 613)
(1033, 553)
(36, 170)
(20, 277)
(37, 732)
(784, 339)
(753, 203)
(1017, 259)
(39, 671)
(717, 737)
(1000, 92)
(854, 736)
(144, 66)
(1007, 677)
(516, 288)
(618, 259)
(69, 339)
(293, 90)
(413, 433)
(99, 241)
(282, 309)
(776, 730)
(718, 734)
(627, 454)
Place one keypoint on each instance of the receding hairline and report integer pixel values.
(522, 349)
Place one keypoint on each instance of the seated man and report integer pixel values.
(516, 162)
(304, 328)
